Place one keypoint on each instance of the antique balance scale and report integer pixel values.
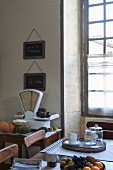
(30, 100)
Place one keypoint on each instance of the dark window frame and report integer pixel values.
(84, 64)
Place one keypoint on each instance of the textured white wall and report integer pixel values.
(72, 65)
(17, 19)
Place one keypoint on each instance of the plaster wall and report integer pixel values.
(72, 53)
(17, 20)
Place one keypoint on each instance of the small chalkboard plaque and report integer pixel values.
(34, 50)
(35, 81)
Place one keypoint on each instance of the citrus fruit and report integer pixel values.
(99, 165)
(86, 168)
(95, 168)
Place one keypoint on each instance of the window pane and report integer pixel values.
(102, 64)
(95, 1)
(109, 29)
(96, 30)
(95, 82)
(109, 0)
(96, 100)
(109, 82)
(99, 106)
(100, 103)
(95, 65)
(96, 13)
(109, 46)
(109, 11)
(109, 101)
(96, 47)
(109, 63)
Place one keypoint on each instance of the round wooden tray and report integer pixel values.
(81, 147)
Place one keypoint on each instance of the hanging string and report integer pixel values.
(37, 66)
(41, 105)
(34, 30)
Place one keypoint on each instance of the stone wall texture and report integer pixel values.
(72, 65)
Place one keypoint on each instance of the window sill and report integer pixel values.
(96, 116)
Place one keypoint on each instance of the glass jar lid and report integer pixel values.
(96, 128)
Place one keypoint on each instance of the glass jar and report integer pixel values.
(99, 132)
(90, 137)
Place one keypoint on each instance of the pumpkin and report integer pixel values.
(22, 129)
(7, 126)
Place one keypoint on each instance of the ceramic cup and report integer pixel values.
(52, 159)
(72, 138)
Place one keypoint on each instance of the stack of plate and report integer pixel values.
(19, 122)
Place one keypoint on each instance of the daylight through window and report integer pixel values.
(98, 58)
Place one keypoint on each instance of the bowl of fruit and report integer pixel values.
(81, 163)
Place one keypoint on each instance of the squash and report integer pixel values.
(7, 126)
(22, 129)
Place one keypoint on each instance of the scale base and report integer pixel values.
(35, 125)
(36, 122)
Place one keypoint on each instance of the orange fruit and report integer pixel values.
(86, 168)
(99, 165)
(95, 168)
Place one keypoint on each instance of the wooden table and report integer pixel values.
(50, 138)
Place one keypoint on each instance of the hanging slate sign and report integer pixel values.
(35, 81)
(34, 50)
